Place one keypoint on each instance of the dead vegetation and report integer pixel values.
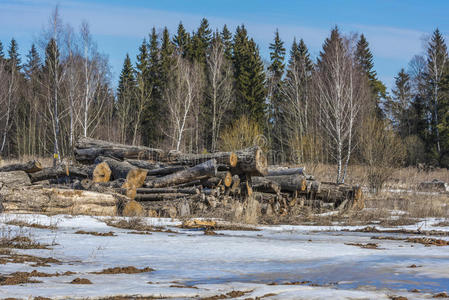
(229, 295)
(19, 242)
(24, 277)
(364, 246)
(22, 223)
(124, 270)
(137, 224)
(94, 233)
(80, 281)
(418, 240)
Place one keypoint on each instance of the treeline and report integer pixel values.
(210, 90)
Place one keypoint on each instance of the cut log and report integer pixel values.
(288, 183)
(102, 172)
(135, 178)
(187, 190)
(88, 149)
(59, 172)
(338, 193)
(119, 169)
(58, 201)
(160, 196)
(267, 186)
(29, 167)
(251, 161)
(226, 178)
(280, 171)
(228, 159)
(201, 171)
(14, 178)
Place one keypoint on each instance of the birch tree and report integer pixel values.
(219, 71)
(340, 90)
(181, 95)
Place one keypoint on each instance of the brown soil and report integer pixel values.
(398, 298)
(230, 295)
(31, 225)
(212, 225)
(20, 242)
(81, 281)
(110, 233)
(413, 266)
(364, 246)
(124, 270)
(41, 298)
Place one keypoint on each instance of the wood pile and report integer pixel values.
(109, 178)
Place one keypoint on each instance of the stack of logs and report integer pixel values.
(107, 178)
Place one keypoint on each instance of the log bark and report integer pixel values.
(144, 164)
(160, 196)
(58, 201)
(187, 190)
(228, 159)
(251, 161)
(88, 149)
(14, 178)
(288, 183)
(60, 172)
(201, 171)
(280, 171)
(166, 170)
(29, 167)
(338, 193)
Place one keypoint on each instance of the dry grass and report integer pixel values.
(45, 161)
(21, 223)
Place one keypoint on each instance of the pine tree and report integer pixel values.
(364, 58)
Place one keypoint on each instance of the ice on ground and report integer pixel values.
(189, 264)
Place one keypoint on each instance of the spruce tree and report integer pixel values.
(437, 60)
(153, 113)
(399, 105)
(126, 100)
(182, 40)
(364, 58)
(226, 37)
(201, 41)
(33, 62)
(250, 78)
(2, 54)
(13, 53)
(276, 71)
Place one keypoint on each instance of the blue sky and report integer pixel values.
(395, 29)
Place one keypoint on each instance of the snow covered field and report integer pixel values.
(268, 263)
